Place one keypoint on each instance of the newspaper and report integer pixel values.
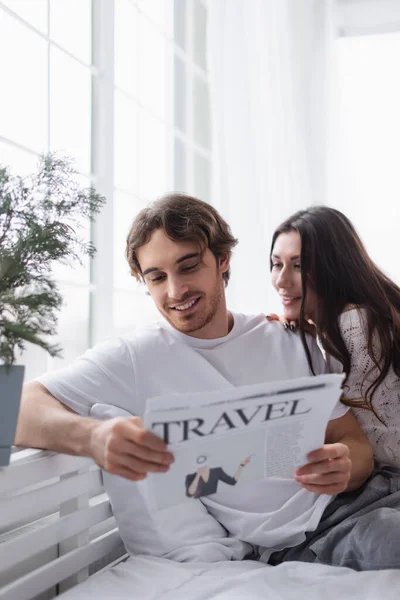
(238, 435)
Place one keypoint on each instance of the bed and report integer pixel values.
(58, 537)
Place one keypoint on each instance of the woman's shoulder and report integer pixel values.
(353, 312)
(353, 319)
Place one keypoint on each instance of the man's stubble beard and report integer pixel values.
(196, 322)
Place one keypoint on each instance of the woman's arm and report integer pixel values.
(363, 369)
(233, 480)
(346, 430)
(240, 468)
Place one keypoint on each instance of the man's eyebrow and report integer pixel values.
(186, 256)
(150, 270)
(177, 262)
(279, 258)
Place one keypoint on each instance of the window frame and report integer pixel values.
(100, 284)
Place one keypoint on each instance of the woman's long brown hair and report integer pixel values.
(336, 266)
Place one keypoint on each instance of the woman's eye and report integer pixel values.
(297, 266)
(276, 265)
(157, 279)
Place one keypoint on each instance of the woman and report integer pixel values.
(205, 480)
(324, 276)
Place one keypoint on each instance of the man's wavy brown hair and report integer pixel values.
(183, 218)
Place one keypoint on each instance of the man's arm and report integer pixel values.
(344, 463)
(120, 446)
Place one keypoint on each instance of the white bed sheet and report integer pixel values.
(150, 578)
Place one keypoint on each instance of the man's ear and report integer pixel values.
(224, 263)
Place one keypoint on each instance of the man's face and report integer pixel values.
(187, 287)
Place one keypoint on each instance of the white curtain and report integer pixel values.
(272, 71)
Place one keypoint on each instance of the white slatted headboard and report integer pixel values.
(56, 524)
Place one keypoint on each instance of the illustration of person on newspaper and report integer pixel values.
(205, 480)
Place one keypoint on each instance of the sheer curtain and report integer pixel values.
(271, 79)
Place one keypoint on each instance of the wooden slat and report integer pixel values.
(43, 578)
(32, 539)
(17, 452)
(103, 527)
(114, 563)
(48, 498)
(37, 468)
(36, 484)
(22, 454)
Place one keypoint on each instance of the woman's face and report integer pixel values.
(286, 276)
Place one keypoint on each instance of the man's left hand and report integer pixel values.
(328, 470)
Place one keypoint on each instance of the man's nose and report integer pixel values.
(177, 288)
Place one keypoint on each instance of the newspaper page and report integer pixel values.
(238, 435)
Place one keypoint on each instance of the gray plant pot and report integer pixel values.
(10, 395)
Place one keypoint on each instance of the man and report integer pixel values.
(180, 248)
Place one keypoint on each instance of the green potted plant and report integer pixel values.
(40, 216)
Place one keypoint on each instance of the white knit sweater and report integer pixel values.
(385, 439)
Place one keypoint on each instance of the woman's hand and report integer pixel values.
(309, 326)
(283, 321)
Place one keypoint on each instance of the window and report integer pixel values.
(122, 87)
(369, 78)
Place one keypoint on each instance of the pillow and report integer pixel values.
(186, 532)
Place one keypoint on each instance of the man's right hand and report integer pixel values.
(122, 446)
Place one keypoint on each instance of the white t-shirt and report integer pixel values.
(158, 360)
